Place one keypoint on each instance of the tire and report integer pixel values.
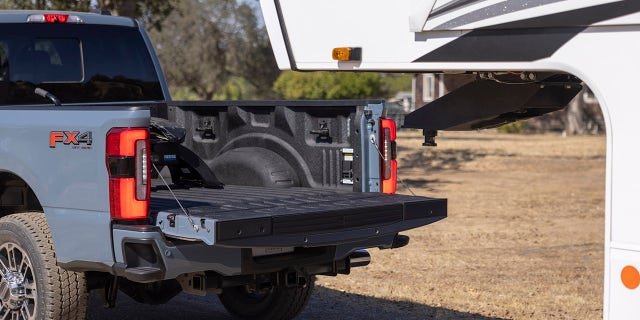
(42, 290)
(279, 303)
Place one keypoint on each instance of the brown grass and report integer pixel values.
(523, 240)
(524, 236)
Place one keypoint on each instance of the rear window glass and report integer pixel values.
(76, 63)
(48, 60)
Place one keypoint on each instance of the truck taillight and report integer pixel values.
(389, 165)
(129, 176)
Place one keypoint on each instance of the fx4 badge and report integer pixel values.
(73, 138)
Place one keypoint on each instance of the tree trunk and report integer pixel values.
(419, 87)
(126, 8)
(105, 5)
(575, 118)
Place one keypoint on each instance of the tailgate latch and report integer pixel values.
(181, 227)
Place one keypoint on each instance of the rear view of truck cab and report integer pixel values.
(107, 184)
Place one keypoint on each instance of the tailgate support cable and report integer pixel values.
(186, 212)
(372, 138)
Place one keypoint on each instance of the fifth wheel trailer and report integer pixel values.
(530, 57)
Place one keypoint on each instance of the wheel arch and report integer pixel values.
(277, 146)
(17, 195)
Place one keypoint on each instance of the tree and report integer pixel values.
(392, 83)
(75, 5)
(328, 85)
(211, 45)
(253, 58)
(151, 12)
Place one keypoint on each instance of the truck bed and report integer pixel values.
(245, 216)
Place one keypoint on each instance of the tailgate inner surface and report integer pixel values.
(246, 212)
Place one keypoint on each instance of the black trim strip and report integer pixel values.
(82, 266)
(502, 45)
(527, 40)
(121, 167)
(285, 35)
(275, 103)
(74, 108)
(89, 106)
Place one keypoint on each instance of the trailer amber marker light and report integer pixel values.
(346, 54)
(630, 277)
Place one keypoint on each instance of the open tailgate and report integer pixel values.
(242, 216)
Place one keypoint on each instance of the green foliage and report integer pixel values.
(514, 127)
(150, 12)
(236, 88)
(328, 85)
(340, 85)
(393, 83)
(184, 93)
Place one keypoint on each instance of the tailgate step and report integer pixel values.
(241, 216)
(143, 274)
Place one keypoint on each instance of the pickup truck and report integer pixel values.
(107, 184)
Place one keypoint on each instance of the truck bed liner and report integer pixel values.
(244, 216)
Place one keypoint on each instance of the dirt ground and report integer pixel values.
(524, 236)
(523, 240)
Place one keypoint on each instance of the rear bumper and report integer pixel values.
(143, 254)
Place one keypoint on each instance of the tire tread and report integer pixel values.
(65, 292)
(286, 303)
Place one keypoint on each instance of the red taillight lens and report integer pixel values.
(129, 176)
(56, 18)
(388, 164)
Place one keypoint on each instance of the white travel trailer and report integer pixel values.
(531, 57)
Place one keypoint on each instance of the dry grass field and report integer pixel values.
(524, 236)
(523, 240)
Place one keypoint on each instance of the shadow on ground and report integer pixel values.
(433, 160)
(326, 304)
(429, 185)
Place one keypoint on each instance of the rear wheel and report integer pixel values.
(277, 303)
(32, 286)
